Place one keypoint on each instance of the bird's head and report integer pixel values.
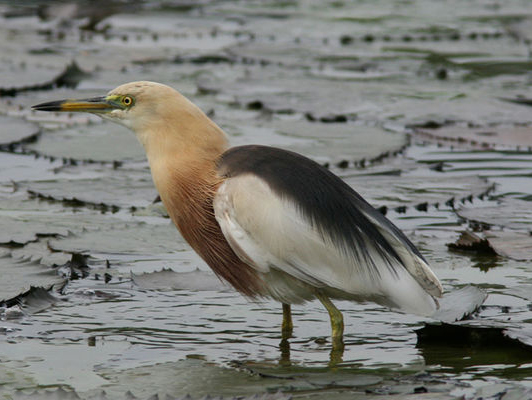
(133, 105)
(152, 110)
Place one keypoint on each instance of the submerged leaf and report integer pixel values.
(168, 279)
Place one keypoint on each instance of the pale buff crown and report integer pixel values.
(165, 121)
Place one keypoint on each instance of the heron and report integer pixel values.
(270, 222)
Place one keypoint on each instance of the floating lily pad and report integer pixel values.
(16, 167)
(99, 142)
(459, 304)
(513, 219)
(15, 131)
(70, 77)
(510, 137)
(512, 244)
(15, 230)
(167, 279)
(35, 300)
(335, 143)
(18, 276)
(99, 187)
(67, 394)
(507, 213)
(391, 191)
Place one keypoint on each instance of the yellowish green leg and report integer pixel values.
(288, 326)
(337, 321)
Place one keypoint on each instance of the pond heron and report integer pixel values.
(270, 222)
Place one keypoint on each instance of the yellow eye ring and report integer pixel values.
(127, 101)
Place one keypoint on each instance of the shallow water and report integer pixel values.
(404, 100)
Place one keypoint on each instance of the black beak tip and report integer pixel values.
(48, 106)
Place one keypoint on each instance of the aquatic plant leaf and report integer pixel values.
(510, 213)
(501, 137)
(411, 190)
(100, 187)
(19, 276)
(472, 243)
(69, 77)
(103, 141)
(15, 131)
(512, 244)
(167, 279)
(458, 304)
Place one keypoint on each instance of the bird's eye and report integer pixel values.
(127, 101)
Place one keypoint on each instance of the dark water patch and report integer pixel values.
(467, 346)
(71, 76)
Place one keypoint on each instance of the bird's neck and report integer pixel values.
(182, 154)
(183, 165)
(185, 178)
(187, 182)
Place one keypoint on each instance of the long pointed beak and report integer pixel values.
(93, 105)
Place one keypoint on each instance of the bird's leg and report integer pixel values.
(288, 326)
(337, 322)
